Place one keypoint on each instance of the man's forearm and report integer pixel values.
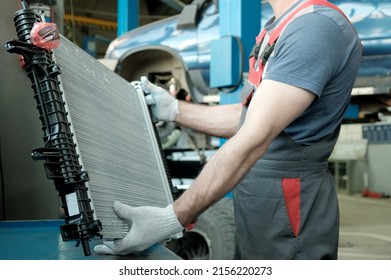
(219, 121)
(219, 176)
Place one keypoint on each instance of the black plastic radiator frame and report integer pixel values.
(59, 152)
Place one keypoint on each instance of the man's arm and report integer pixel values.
(274, 106)
(219, 121)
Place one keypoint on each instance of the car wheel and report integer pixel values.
(213, 237)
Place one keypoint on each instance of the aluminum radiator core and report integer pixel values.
(114, 137)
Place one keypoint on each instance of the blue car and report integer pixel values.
(176, 54)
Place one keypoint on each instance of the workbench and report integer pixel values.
(41, 240)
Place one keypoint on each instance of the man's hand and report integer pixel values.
(164, 106)
(149, 225)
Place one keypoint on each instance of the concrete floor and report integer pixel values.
(365, 231)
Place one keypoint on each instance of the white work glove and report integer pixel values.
(149, 225)
(164, 106)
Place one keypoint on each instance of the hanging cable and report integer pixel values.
(2, 188)
(51, 11)
(72, 22)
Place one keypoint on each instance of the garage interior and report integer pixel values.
(360, 162)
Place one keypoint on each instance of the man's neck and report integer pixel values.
(281, 6)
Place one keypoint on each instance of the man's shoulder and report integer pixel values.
(321, 26)
(322, 18)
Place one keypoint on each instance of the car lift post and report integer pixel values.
(239, 21)
(239, 18)
(128, 18)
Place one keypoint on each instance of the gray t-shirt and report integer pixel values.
(319, 52)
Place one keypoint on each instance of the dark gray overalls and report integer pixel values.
(286, 207)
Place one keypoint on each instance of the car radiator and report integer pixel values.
(100, 144)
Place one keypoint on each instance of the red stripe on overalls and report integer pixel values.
(291, 190)
(255, 73)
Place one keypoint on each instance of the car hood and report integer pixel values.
(156, 33)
